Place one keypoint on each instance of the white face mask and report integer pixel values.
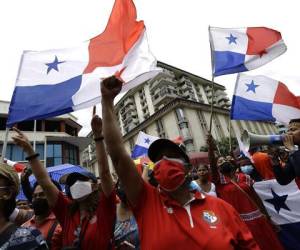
(80, 189)
(247, 169)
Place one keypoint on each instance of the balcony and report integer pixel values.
(128, 101)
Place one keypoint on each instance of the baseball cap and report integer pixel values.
(10, 174)
(71, 178)
(156, 148)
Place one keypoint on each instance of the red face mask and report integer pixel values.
(169, 173)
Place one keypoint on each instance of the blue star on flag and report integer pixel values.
(252, 86)
(278, 201)
(231, 39)
(53, 65)
(147, 140)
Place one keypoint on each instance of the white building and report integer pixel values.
(177, 103)
(56, 139)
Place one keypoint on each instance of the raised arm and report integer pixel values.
(124, 165)
(38, 169)
(103, 168)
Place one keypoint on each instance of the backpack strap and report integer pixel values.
(50, 233)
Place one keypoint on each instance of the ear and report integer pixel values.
(94, 186)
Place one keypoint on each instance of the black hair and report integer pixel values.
(53, 181)
(294, 120)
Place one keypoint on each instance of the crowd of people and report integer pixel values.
(173, 206)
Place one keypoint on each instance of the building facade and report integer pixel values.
(56, 139)
(178, 103)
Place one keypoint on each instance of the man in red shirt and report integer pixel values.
(170, 216)
(262, 163)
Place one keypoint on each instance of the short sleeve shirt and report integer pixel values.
(97, 230)
(205, 222)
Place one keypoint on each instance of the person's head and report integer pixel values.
(203, 172)
(246, 165)
(226, 165)
(83, 190)
(39, 201)
(294, 125)
(81, 185)
(172, 165)
(9, 189)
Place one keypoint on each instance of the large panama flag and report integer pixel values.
(283, 206)
(243, 49)
(59, 81)
(260, 98)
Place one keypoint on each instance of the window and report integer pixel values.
(202, 121)
(160, 128)
(239, 123)
(26, 126)
(218, 127)
(2, 123)
(52, 126)
(71, 154)
(54, 154)
(179, 114)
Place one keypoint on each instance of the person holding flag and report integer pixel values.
(170, 216)
(88, 218)
(237, 189)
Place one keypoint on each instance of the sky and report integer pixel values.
(177, 34)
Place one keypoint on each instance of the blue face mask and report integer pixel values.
(247, 169)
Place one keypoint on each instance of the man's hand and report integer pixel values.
(210, 142)
(26, 173)
(288, 141)
(22, 141)
(96, 125)
(296, 137)
(111, 87)
(273, 153)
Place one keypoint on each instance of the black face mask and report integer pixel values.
(7, 207)
(226, 168)
(40, 206)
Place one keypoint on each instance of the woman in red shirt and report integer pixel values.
(87, 218)
(237, 190)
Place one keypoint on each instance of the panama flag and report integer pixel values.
(59, 81)
(142, 145)
(260, 98)
(243, 49)
(283, 206)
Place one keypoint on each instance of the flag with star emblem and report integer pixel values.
(60, 81)
(142, 145)
(283, 205)
(242, 49)
(260, 98)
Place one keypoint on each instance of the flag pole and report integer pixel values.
(34, 135)
(212, 81)
(212, 103)
(229, 131)
(45, 152)
(4, 145)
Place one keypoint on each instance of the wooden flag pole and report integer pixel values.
(212, 81)
(212, 103)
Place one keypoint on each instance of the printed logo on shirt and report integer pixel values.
(210, 217)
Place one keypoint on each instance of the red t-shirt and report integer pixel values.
(205, 222)
(263, 165)
(98, 230)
